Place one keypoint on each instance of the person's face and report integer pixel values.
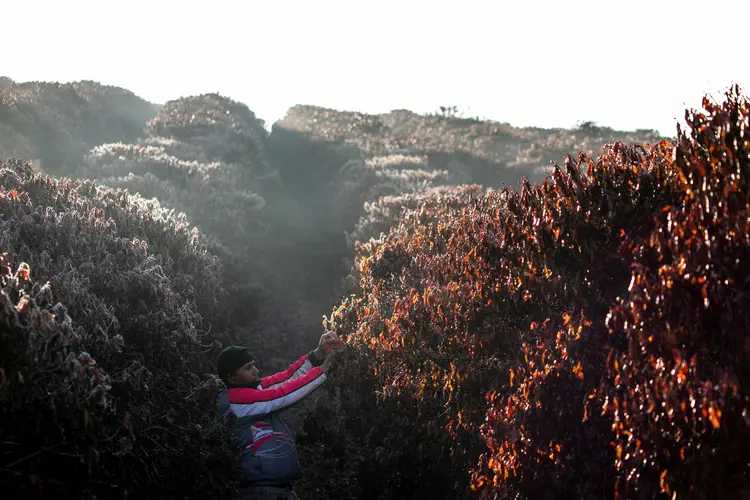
(246, 374)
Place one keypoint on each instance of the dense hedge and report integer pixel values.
(417, 373)
(584, 338)
(648, 392)
(221, 129)
(147, 303)
(552, 145)
(385, 212)
(214, 196)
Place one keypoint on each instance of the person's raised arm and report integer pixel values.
(296, 369)
(254, 402)
(304, 364)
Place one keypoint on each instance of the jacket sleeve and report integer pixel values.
(296, 369)
(246, 402)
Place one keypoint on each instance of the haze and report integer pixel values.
(533, 63)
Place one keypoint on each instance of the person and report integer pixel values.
(269, 461)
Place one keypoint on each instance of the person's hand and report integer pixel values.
(328, 341)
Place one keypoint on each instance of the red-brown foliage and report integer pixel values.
(679, 393)
(565, 324)
(647, 396)
(568, 233)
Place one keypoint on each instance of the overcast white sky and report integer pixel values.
(634, 64)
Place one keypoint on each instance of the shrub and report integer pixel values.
(382, 214)
(425, 344)
(205, 156)
(644, 393)
(566, 325)
(564, 238)
(362, 181)
(149, 305)
(222, 129)
(54, 395)
(398, 132)
(386, 212)
(214, 196)
(587, 138)
(684, 318)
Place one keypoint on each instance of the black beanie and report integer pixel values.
(230, 359)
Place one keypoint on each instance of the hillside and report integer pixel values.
(56, 124)
(153, 235)
(497, 147)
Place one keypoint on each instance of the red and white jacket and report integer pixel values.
(270, 455)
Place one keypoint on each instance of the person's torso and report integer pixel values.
(269, 453)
